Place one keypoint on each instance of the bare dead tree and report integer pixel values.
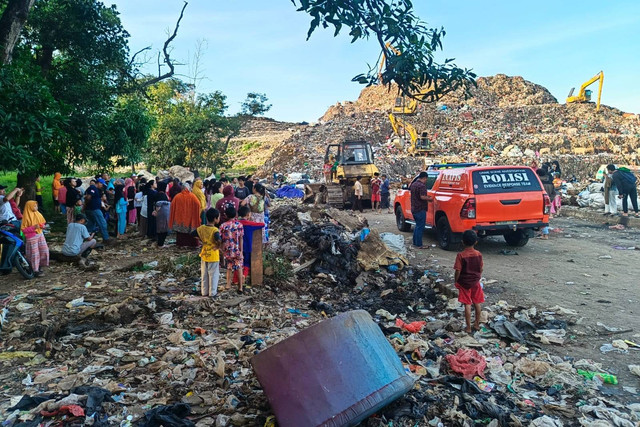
(167, 57)
(11, 23)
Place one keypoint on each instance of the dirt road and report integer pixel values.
(583, 266)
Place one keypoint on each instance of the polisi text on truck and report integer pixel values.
(505, 178)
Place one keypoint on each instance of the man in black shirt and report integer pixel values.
(242, 192)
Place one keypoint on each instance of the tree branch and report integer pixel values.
(167, 57)
(133, 58)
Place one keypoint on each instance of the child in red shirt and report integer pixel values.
(468, 267)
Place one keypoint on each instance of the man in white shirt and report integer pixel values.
(358, 192)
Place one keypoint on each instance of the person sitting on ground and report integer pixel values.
(625, 181)
(78, 241)
(33, 223)
(468, 267)
(232, 233)
(209, 235)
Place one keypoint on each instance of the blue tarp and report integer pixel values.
(290, 192)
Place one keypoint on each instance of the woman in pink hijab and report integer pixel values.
(130, 194)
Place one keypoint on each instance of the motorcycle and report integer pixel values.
(12, 252)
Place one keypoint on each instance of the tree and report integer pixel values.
(128, 129)
(11, 23)
(190, 128)
(408, 45)
(255, 104)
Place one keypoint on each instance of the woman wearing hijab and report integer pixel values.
(228, 200)
(120, 202)
(151, 205)
(162, 212)
(175, 189)
(37, 250)
(55, 187)
(130, 194)
(256, 203)
(197, 191)
(184, 217)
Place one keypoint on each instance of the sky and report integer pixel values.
(261, 46)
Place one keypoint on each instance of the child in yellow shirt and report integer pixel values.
(209, 235)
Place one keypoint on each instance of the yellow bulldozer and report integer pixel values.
(349, 159)
(584, 95)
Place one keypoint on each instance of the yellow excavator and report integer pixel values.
(420, 144)
(584, 95)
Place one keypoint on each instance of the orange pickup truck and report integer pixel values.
(492, 200)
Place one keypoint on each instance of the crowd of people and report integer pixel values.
(379, 190)
(112, 208)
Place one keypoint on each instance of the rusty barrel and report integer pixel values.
(335, 373)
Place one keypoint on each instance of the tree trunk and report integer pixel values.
(11, 23)
(28, 182)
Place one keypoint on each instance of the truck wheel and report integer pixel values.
(448, 240)
(516, 238)
(23, 266)
(401, 222)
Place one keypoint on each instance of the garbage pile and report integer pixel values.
(138, 345)
(507, 121)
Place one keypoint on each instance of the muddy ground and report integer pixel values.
(571, 269)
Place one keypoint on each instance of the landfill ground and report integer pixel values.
(138, 333)
(571, 269)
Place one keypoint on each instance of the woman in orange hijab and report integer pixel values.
(184, 217)
(37, 250)
(55, 186)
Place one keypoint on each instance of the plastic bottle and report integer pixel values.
(606, 378)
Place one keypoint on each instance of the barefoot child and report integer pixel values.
(468, 267)
(209, 235)
(232, 233)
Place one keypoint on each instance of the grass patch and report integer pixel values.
(184, 265)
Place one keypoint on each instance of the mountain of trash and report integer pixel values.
(507, 120)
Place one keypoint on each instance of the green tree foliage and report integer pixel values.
(394, 25)
(127, 133)
(68, 70)
(255, 104)
(31, 121)
(190, 128)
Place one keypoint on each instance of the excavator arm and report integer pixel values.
(584, 95)
(401, 128)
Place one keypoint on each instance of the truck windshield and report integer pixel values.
(356, 153)
(507, 180)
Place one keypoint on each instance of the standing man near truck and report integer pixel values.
(419, 207)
